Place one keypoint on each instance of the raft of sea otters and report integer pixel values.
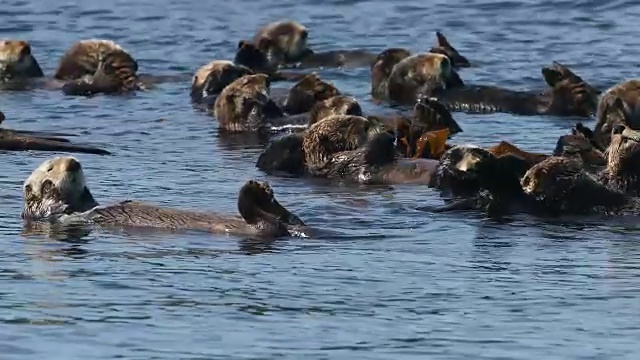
(591, 171)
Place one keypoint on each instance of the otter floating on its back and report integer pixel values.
(57, 191)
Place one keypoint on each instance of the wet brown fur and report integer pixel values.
(240, 106)
(213, 77)
(336, 105)
(283, 41)
(306, 93)
(619, 105)
(418, 74)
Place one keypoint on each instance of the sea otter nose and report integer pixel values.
(73, 165)
(618, 129)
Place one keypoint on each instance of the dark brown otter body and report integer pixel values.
(57, 188)
(561, 186)
(568, 95)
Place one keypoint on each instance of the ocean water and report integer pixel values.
(390, 282)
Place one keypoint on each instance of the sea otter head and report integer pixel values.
(283, 42)
(16, 61)
(213, 77)
(623, 154)
(457, 168)
(56, 187)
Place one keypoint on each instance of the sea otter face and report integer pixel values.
(212, 78)
(16, 60)
(337, 105)
(623, 154)
(283, 42)
(56, 186)
(457, 169)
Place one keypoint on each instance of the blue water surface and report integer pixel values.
(391, 283)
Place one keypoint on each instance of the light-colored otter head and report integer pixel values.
(213, 77)
(307, 92)
(623, 154)
(282, 41)
(337, 105)
(420, 74)
(56, 187)
(335, 134)
(85, 56)
(241, 106)
(16, 61)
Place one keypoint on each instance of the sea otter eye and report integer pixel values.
(46, 187)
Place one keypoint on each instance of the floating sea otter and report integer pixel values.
(57, 191)
(402, 78)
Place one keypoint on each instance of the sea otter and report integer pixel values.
(352, 148)
(57, 191)
(250, 56)
(245, 105)
(561, 186)
(305, 94)
(568, 95)
(17, 62)
(97, 66)
(286, 154)
(622, 172)
(619, 105)
(212, 78)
